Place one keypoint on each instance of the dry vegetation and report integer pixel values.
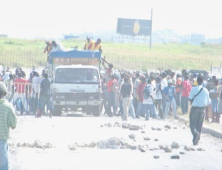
(26, 53)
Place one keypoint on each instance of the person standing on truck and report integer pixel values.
(48, 48)
(97, 45)
(88, 45)
(7, 120)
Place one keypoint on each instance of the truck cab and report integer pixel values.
(76, 82)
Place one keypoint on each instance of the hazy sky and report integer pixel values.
(51, 18)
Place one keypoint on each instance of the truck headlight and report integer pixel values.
(91, 97)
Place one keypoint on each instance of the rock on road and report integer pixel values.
(100, 143)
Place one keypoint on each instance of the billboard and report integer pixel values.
(134, 27)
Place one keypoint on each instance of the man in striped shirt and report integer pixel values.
(7, 120)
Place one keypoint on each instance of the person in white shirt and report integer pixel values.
(131, 108)
(163, 84)
(136, 83)
(36, 80)
(158, 98)
(199, 97)
(163, 81)
(57, 46)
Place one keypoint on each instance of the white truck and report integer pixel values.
(76, 83)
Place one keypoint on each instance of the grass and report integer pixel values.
(26, 53)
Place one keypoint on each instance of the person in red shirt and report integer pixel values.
(20, 91)
(186, 88)
(139, 90)
(111, 88)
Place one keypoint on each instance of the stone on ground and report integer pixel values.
(175, 157)
(175, 145)
(168, 149)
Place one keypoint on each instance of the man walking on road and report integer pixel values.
(199, 97)
(7, 119)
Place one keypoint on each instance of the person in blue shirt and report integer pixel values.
(199, 97)
(169, 95)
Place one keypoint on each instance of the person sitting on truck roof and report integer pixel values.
(57, 46)
(97, 45)
(88, 44)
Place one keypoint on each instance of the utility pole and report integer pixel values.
(151, 23)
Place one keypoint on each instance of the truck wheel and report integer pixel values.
(57, 111)
(96, 111)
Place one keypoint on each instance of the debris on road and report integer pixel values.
(146, 138)
(72, 148)
(175, 145)
(167, 126)
(200, 149)
(153, 128)
(125, 126)
(175, 157)
(161, 146)
(156, 157)
(134, 127)
(142, 149)
(168, 149)
(132, 136)
(192, 149)
(187, 148)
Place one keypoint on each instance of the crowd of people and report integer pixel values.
(156, 95)
(28, 95)
(134, 94)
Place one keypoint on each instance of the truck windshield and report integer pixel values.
(77, 75)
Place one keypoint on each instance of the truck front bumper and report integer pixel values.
(82, 99)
